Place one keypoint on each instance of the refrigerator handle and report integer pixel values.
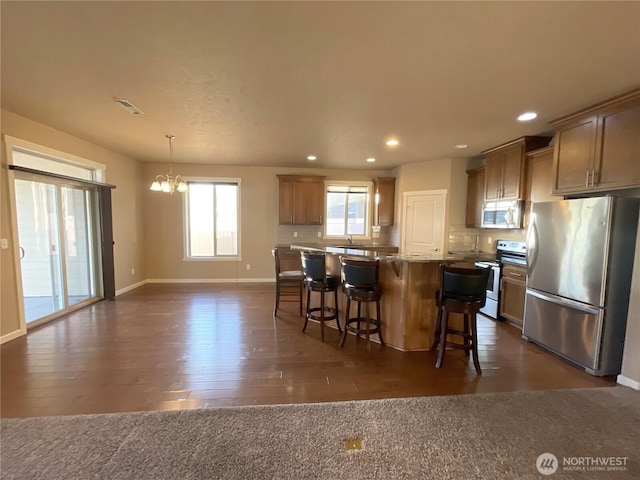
(532, 244)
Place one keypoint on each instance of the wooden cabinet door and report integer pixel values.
(493, 176)
(512, 294)
(538, 180)
(618, 147)
(384, 189)
(574, 155)
(475, 197)
(512, 169)
(299, 209)
(285, 202)
(314, 200)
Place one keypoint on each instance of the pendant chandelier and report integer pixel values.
(169, 183)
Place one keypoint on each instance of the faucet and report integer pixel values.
(476, 249)
(350, 239)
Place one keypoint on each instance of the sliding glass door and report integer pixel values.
(57, 231)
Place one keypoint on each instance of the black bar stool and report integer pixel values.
(317, 280)
(462, 290)
(360, 284)
(289, 282)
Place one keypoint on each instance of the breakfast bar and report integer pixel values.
(409, 284)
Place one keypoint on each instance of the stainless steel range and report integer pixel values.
(507, 252)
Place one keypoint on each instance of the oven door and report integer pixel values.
(493, 289)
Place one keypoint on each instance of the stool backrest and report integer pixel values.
(360, 273)
(468, 284)
(313, 266)
(286, 259)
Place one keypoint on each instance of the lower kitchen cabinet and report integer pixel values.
(512, 294)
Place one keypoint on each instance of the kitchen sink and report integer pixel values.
(348, 245)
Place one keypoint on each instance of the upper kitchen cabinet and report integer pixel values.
(301, 200)
(598, 148)
(475, 197)
(384, 189)
(538, 179)
(504, 174)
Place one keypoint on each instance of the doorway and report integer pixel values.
(57, 234)
(423, 222)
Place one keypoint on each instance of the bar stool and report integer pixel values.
(288, 282)
(462, 290)
(360, 284)
(317, 280)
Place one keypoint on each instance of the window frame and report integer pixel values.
(185, 220)
(369, 206)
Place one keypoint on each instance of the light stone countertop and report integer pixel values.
(372, 254)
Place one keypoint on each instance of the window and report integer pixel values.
(212, 219)
(347, 210)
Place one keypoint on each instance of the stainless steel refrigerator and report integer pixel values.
(579, 266)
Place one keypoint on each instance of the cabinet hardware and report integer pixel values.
(593, 177)
(586, 182)
(514, 274)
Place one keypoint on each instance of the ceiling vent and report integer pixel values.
(128, 106)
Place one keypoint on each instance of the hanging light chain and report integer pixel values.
(168, 183)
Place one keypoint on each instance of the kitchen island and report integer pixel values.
(409, 284)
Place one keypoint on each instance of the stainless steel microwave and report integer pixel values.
(502, 214)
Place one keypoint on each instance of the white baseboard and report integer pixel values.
(130, 287)
(210, 280)
(10, 336)
(628, 382)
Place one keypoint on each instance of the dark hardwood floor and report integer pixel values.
(163, 347)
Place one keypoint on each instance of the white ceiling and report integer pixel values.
(269, 83)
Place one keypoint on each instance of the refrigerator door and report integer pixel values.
(568, 328)
(567, 245)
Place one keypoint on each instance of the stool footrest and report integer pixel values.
(459, 346)
(374, 325)
(313, 314)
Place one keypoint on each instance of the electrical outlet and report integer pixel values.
(319, 234)
(489, 240)
(4, 243)
(295, 234)
(248, 266)
(133, 271)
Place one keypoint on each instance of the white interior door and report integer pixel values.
(423, 222)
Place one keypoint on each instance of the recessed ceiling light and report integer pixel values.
(462, 145)
(526, 116)
(311, 157)
(392, 142)
(371, 160)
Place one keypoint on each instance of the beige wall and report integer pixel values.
(446, 174)
(9, 320)
(163, 224)
(121, 171)
(631, 359)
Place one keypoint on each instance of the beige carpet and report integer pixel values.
(485, 436)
